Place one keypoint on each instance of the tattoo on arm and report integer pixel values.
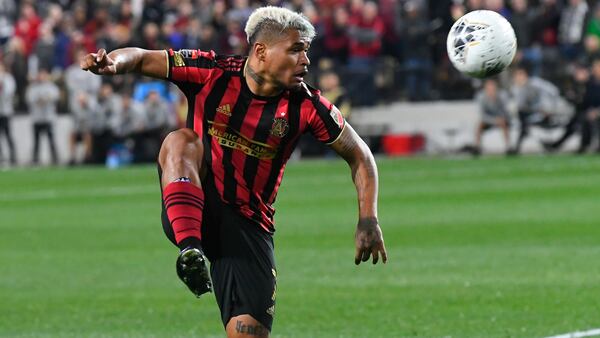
(251, 330)
(364, 170)
(346, 144)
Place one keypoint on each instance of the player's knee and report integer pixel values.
(182, 145)
(181, 155)
(246, 326)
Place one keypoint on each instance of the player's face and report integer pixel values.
(287, 60)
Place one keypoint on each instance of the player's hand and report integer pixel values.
(369, 241)
(99, 63)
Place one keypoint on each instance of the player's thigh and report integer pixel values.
(245, 326)
(243, 271)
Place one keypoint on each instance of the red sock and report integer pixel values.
(184, 203)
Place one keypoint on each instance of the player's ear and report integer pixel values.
(260, 51)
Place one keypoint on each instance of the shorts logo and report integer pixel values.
(337, 117)
(271, 310)
(280, 127)
(224, 109)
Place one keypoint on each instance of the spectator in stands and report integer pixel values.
(173, 36)
(575, 93)
(45, 48)
(63, 32)
(83, 107)
(498, 6)
(365, 31)
(241, 11)
(591, 40)
(473, 5)
(109, 105)
(494, 112)
(155, 124)
(156, 112)
(27, 26)
(329, 83)
(571, 28)
(126, 17)
(151, 37)
(233, 42)
(546, 18)
(128, 121)
(593, 25)
(536, 101)
(335, 40)
(7, 12)
(7, 92)
(76, 80)
(591, 107)
(208, 39)
(414, 31)
(522, 19)
(16, 63)
(42, 96)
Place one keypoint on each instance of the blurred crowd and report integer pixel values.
(367, 52)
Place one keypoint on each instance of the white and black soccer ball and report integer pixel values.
(481, 43)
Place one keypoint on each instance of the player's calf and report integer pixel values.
(180, 160)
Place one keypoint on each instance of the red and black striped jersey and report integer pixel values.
(247, 138)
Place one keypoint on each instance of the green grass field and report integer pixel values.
(477, 248)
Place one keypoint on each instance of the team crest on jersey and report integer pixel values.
(337, 117)
(280, 127)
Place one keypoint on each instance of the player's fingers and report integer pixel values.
(87, 62)
(375, 255)
(83, 64)
(357, 256)
(383, 254)
(365, 255)
(101, 55)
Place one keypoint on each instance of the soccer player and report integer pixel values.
(493, 106)
(220, 175)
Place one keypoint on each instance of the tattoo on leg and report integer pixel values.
(252, 330)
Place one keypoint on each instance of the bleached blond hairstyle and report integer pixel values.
(272, 20)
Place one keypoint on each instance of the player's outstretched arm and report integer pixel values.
(151, 63)
(369, 238)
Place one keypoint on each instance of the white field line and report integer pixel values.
(579, 334)
(50, 194)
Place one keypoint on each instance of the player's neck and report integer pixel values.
(258, 84)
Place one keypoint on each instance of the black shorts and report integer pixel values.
(242, 265)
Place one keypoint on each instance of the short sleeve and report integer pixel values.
(190, 66)
(326, 122)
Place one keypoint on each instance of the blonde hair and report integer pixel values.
(276, 20)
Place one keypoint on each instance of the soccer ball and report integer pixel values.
(481, 43)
